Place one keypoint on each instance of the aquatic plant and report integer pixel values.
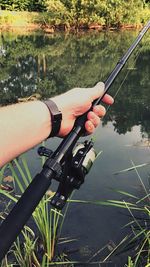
(137, 242)
(33, 248)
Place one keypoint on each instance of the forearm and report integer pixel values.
(22, 127)
(25, 125)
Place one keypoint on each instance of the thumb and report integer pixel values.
(98, 90)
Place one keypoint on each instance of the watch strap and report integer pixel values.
(56, 117)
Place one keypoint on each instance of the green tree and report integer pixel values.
(15, 4)
(57, 12)
(37, 5)
(22, 5)
(76, 13)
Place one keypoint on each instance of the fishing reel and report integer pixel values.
(74, 169)
(77, 166)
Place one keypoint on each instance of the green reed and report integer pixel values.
(45, 219)
(49, 223)
(138, 237)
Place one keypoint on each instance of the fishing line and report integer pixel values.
(125, 78)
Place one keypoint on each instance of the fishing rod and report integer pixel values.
(69, 165)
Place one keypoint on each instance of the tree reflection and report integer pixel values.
(50, 65)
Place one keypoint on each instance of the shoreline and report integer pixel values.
(35, 21)
(31, 27)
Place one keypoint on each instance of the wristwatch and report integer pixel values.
(56, 117)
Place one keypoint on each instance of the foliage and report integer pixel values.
(106, 12)
(23, 5)
(83, 13)
(57, 12)
(15, 4)
(137, 241)
(37, 244)
(139, 238)
(45, 220)
(26, 253)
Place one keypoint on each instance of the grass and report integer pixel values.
(39, 249)
(37, 246)
(138, 238)
(45, 220)
(10, 19)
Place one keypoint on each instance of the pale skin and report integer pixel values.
(25, 125)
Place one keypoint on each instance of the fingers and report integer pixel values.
(99, 110)
(89, 127)
(108, 99)
(93, 118)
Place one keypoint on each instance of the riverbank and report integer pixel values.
(31, 21)
(13, 20)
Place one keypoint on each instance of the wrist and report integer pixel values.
(55, 115)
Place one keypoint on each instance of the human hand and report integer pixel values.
(76, 102)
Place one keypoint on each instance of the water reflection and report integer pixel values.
(52, 64)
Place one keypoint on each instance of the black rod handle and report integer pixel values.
(19, 215)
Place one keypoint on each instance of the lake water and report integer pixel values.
(52, 64)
